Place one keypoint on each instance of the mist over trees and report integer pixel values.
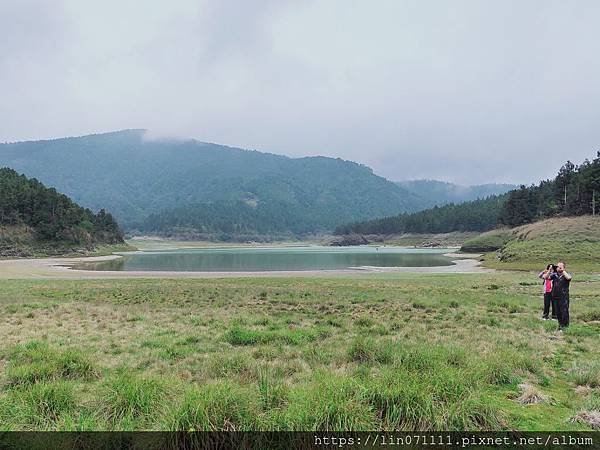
(145, 182)
(438, 193)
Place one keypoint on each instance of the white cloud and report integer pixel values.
(465, 90)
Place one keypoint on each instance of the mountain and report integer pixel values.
(165, 185)
(36, 219)
(433, 192)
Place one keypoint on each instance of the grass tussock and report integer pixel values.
(36, 362)
(367, 349)
(586, 374)
(41, 406)
(129, 398)
(329, 403)
(217, 406)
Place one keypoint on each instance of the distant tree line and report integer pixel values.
(476, 215)
(50, 214)
(574, 191)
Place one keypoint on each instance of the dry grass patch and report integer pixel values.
(530, 395)
(591, 418)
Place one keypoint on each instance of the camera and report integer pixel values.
(554, 267)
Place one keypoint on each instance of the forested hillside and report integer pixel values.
(575, 191)
(236, 220)
(199, 183)
(434, 192)
(228, 220)
(34, 216)
(478, 215)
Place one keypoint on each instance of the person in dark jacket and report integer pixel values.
(561, 281)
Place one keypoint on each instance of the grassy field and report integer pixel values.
(454, 239)
(489, 241)
(575, 240)
(373, 352)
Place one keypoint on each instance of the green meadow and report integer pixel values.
(372, 352)
(575, 240)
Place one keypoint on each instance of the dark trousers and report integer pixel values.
(550, 302)
(563, 311)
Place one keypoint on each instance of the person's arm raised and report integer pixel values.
(567, 276)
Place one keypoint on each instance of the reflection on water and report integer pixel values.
(271, 259)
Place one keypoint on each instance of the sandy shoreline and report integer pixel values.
(60, 268)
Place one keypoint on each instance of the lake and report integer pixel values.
(253, 259)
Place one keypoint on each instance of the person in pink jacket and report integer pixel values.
(549, 301)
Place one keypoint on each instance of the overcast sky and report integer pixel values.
(465, 91)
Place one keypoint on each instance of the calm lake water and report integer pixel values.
(271, 259)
